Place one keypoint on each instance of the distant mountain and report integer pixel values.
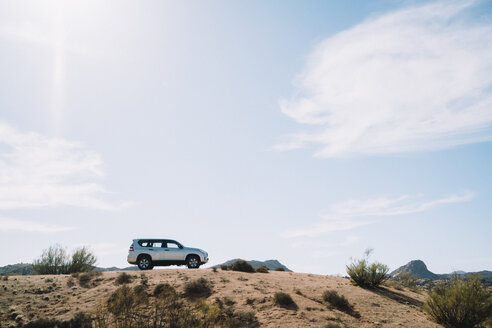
(418, 268)
(270, 264)
(20, 269)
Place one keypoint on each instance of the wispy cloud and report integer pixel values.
(411, 80)
(9, 224)
(356, 213)
(38, 171)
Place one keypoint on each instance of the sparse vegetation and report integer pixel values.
(337, 301)
(242, 265)
(55, 260)
(462, 303)
(365, 274)
(262, 269)
(406, 279)
(279, 269)
(123, 278)
(200, 287)
(284, 300)
(164, 291)
(224, 267)
(80, 320)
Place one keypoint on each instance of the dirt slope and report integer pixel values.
(26, 298)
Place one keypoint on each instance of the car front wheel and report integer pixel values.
(145, 263)
(193, 262)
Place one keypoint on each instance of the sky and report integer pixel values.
(301, 131)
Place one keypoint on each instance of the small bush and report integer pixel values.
(214, 269)
(336, 300)
(262, 269)
(144, 281)
(224, 267)
(332, 325)
(5, 278)
(279, 269)
(123, 278)
(84, 279)
(53, 260)
(198, 288)
(366, 274)
(242, 265)
(461, 303)
(83, 260)
(164, 290)
(284, 300)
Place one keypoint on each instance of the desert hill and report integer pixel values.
(418, 268)
(27, 298)
(270, 264)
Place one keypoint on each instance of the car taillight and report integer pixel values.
(131, 248)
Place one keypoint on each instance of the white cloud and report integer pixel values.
(38, 171)
(411, 80)
(8, 224)
(356, 213)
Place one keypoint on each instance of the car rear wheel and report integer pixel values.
(145, 262)
(193, 262)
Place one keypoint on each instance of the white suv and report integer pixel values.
(147, 253)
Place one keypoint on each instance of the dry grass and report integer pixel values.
(27, 298)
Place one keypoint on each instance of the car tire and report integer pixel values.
(193, 262)
(144, 262)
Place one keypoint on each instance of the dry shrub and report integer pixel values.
(242, 266)
(284, 300)
(86, 278)
(462, 303)
(80, 320)
(337, 301)
(224, 267)
(262, 269)
(164, 290)
(123, 278)
(279, 269)
(200, 287)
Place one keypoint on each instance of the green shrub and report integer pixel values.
(82, 261)
(198, 288)
(262, 269)
(279, 269)
(55, 260)
(123, 278)
(462, 303)
(366, 274)
(284, 300)
(336, 300)
(242, 265)
(224, 267)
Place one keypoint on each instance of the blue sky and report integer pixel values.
(299, 131)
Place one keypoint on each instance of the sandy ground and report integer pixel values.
(28, 298)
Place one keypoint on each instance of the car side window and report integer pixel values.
(145, 243)
(157, 244)
(172, 245)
